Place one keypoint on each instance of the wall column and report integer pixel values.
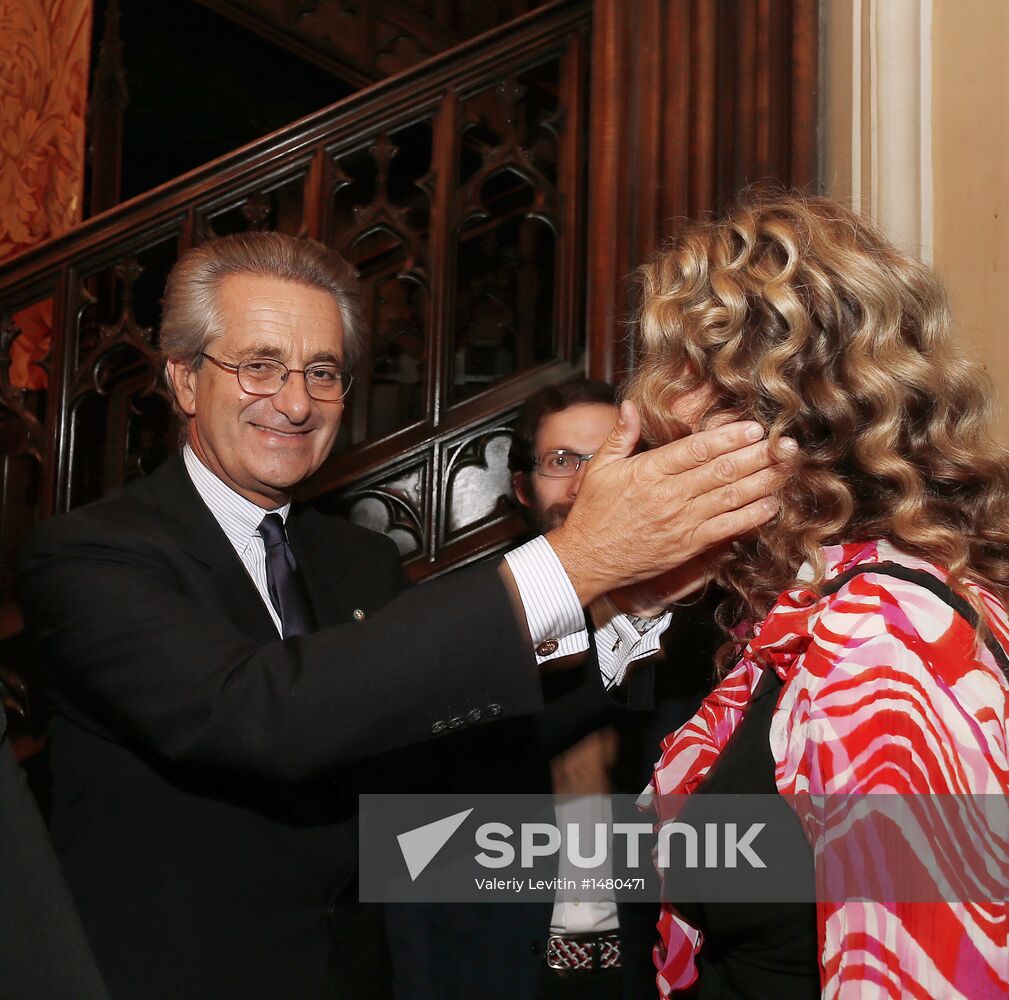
(876, 115)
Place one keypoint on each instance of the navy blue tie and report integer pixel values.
(284, 581)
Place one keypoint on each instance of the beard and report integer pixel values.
(548, 518)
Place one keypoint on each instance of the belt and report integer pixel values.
(584, 952)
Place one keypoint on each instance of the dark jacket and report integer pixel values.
(206, 772)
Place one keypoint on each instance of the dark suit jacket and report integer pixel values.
(43, 951)
(206, 772)
(495, 951)
(458, 951)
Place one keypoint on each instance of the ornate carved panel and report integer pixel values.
(507, 223)
(380, 221)
(477, 482)
(395, 505)
(118, 410)
(454, 498)
(277, 204)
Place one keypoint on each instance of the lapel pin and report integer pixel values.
(358, 615)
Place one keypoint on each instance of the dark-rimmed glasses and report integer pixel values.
(266, 377)
(560, 464)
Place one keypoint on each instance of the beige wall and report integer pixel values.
(970, 109)
(915, 133)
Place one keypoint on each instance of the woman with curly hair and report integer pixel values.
(870, 657)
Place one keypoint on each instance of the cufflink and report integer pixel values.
(358, 615)
(547, 648)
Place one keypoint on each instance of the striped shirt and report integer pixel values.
(554, 613)
(551, 605)
(239, 520)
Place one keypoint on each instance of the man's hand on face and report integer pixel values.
(640, 516)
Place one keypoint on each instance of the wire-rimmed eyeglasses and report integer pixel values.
(266, 377)
(560, 464)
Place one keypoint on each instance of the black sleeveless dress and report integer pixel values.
(763, 951)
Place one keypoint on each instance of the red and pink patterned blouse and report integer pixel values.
(886, 689)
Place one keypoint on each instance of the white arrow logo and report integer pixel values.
(419, 846)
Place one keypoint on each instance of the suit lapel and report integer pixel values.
(198, 534)
(323, 561)
(335, 560)
(330, 555)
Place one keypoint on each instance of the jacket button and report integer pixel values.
(456, 722)
(473, 716)
(547, 648)
(438, 727)
(494, 710)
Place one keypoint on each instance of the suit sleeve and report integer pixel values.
(134, 656)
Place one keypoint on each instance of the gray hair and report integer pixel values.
(190, 319)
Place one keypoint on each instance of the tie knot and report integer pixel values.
(271, 529)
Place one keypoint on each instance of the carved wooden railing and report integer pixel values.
(457, 189)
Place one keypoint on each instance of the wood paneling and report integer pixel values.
(691, 100)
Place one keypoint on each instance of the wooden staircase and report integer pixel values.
(494, 198)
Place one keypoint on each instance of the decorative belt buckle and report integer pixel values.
(558, 954)
(609, 951)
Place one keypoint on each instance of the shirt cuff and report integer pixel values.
(553, 612)
(618, 642)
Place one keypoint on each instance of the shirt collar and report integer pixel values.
(238, 517)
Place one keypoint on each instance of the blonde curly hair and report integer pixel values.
(795, 312)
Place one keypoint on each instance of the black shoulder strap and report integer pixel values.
(929, 582)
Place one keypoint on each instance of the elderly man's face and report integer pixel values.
(581, 429)
(262, 447)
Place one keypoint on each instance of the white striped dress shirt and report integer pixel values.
(239, 520)
(550, 602)
(554, 613)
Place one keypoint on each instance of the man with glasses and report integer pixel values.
(223, 665)
(599, 949)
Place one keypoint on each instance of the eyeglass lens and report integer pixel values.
(265, 377)
(560, 464)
